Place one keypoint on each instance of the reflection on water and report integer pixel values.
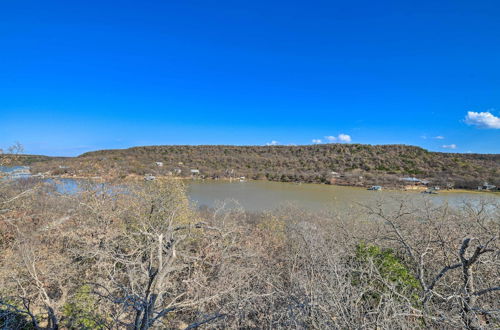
(15, 172)
(261, 195)
(65, 186)
(71, 186)
(9, 169)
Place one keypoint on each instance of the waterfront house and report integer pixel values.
(486, 186)
(415, 181)
(411, 179)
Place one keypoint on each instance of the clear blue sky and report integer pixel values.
(86, 75)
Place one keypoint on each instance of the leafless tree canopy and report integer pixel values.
(139, 257)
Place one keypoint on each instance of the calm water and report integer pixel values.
(261, 195)
(11, 169)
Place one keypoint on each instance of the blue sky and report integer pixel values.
(86, 75)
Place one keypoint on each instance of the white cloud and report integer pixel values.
(341, 138)
(344, 138)
(482, 120)
(316, 141)
(331, 138)
(272, 143)
(450, 146)
(439, 137)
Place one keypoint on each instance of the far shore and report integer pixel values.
(138, 178)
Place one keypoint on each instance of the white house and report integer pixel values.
(195, 172)
(159, 164)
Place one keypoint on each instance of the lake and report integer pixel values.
(263, 195)
(10, 169)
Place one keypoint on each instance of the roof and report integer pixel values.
(410, 179)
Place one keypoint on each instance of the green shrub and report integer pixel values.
(80, 312)
(391, 269)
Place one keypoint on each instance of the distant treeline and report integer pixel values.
(14, 160)
(353, 164)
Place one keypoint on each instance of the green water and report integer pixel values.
(262, 195)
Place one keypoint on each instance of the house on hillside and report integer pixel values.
(177, 171)
(195, 172)
(333, 177)
(159, 164)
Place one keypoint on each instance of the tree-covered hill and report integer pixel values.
(355, 164)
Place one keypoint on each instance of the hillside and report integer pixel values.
(356, 164)
(21, 159)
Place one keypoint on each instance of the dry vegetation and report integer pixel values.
(358, 164)
(141, 258)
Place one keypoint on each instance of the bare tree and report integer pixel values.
(430, 242)
(140, 257)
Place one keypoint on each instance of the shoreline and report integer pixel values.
(135, 178)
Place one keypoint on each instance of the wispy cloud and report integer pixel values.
(272, 143)
(449, 146)
(482, 120)
(316, 141)
(438, 137)
(340, 138)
